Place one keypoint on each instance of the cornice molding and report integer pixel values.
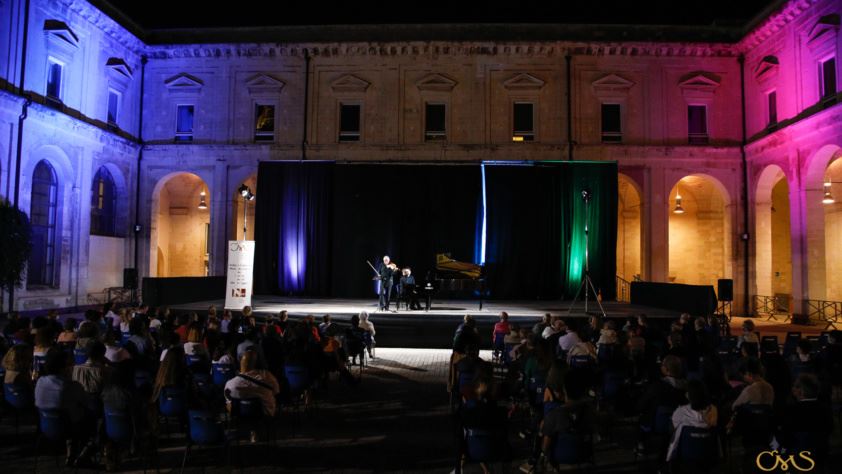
(774, 23)
(436, 49)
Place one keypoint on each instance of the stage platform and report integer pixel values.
(434, 328)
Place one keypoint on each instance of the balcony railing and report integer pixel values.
(772, 307)
(825, 312)
(623, 289)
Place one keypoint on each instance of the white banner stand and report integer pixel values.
(240, 276)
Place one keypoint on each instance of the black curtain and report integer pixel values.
(293, 229)
(410, 212)
(523, 252)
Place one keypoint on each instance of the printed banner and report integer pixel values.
(240, 274)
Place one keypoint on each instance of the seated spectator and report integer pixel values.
(668, 391)
(582, 348)
(194, 346)
(326, 323)
(253, 383)
(250, 341)
(43, 341)
(55, 391)
(591, 331)
(92, 373)
(183, 321)
(540, 326)
(125, 320)
(224, 324)
(568, 340)
(803, 360)
(18, 365)
(119, 394)
(223, 355)
(68, 334)
(608, 334)
(114, 352)
(700, 413)
(466, 335)
(515, 335)
(367, 326)
(757, 390)
(748, 335)
(171, 373)
(572, 411)
(807, 415)
(555, 327)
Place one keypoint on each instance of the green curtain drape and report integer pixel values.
(600, 178)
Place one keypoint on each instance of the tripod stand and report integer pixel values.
(587, 285)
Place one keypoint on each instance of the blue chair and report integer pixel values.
(248, 412)
(51, 427)
(581, 361)
(535, 389)
(172, 403)
(486, 446)
(369, 343)
(571, 449)
(120, 430)
(697, 447)
(204, 386)
(142, 378)
(124, 338)
(38, 364)
(465, 379)
(612, 385)
(605, 352)
(221, 373)
(298, 379)
(192, 359)
(757, 425)
(204, 430)
(20, 398)
(80, 356)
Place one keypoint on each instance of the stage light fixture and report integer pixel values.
(246, 193)
(828, 198)
(202, 203)
(678, 209)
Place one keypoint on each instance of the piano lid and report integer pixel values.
(445, 263)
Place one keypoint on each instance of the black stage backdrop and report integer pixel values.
(410, 212)
(293, 228)
(318, 222)
(523, 211)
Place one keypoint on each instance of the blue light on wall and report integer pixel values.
(293, 241)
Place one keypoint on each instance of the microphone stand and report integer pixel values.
(587, 284)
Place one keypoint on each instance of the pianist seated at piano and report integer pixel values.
(408, 292)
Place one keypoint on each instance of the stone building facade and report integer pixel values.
(182, 118)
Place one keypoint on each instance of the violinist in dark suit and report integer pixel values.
(386, 272)
(407, 288)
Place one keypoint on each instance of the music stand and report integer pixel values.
(587, 285)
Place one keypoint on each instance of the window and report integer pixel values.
(772, 105)
(435, 127)
(611, 129)
(349, 122)
(523, 122)
(103, 204)
(264, 123)
(184, 123)
(113, 106)
(55, 71)
(697, 124)
(42, 215)
(827, 77)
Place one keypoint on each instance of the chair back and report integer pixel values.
(581, 361)
(612, 384)
(298, 378)
(204, 428)
(663, 420)
(80, 356)
(38, 364)
(571, 448)
(118, 426)
(18, 396)
(191, 359)
(51, 424)
(172, 401)
(142, 378)
(698, 446)
(485, 445)
(221, 373)
(124, 338)
(756, 423)
(247, 408)
(604, 352)
(465, 379)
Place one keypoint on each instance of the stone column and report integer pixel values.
(656, 228)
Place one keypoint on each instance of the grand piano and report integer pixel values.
(453, 278)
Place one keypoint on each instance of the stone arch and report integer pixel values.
(179, 228)
(822, 224)
(772, 233)
(700, 237)
(629, 228)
